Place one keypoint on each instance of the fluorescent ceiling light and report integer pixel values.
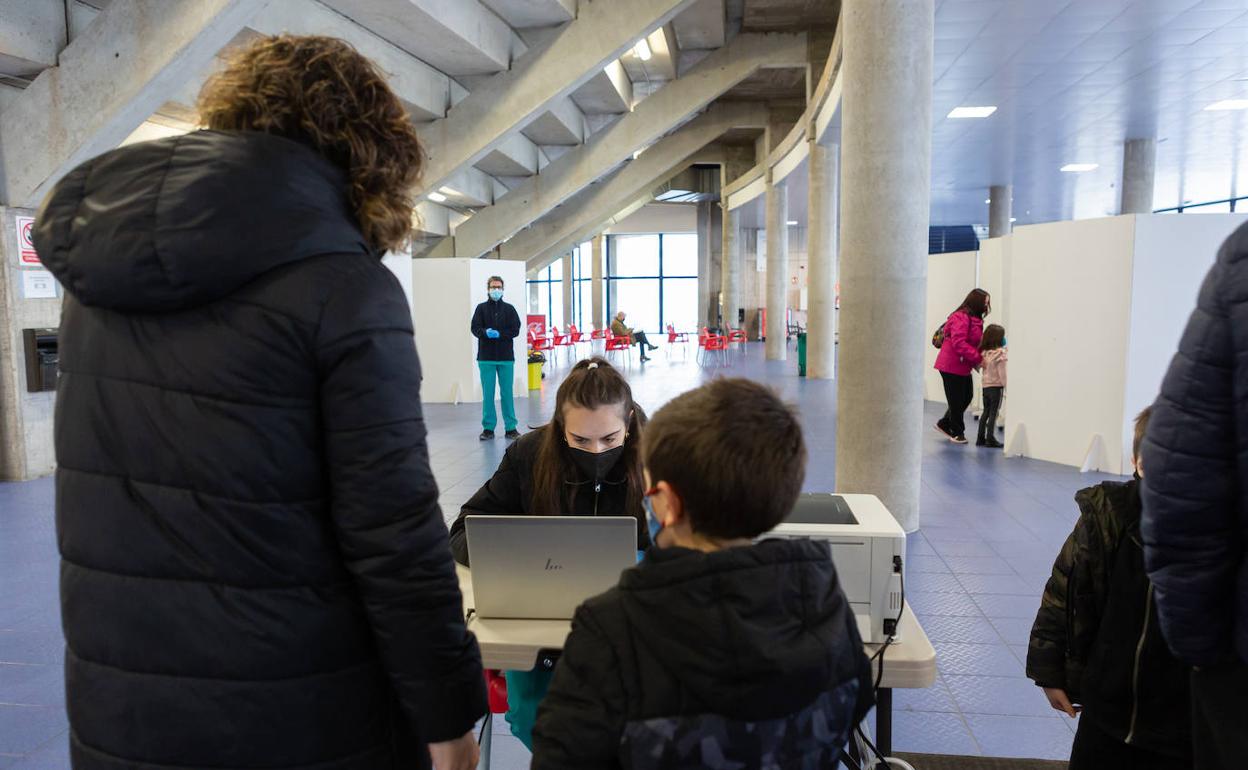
(1013, 219)
(791, 223)
(988, 200)
(971, 112)
(642, 49)
(1229, 104)
(437, 197)
(1079, 167)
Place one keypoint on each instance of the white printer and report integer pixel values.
(868, 547)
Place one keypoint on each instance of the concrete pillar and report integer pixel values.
(569, 273)
(777, 203)
(1139, 165)
(821, 255)
(885, 196)
(730, 291)
(716, 278)
(26, 446)
(599, 318)
(707, 293)
(1000, 210)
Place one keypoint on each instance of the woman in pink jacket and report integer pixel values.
(959, 354)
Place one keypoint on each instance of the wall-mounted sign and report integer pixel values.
(26, 255)
(38, 284)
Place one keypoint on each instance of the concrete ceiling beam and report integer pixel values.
(514, 156)
(662, 111)
(107, 82)
(562, 124)
(526, 14)
(513, 99)
(424, 91)
(608, 91)
(470, 187)
(576, 217)
(31, 35)
(458, 37)
(702, 26)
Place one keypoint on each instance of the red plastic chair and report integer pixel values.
(737, 338)
(677, 338)
(713, 343)
(619, 344)
(561, 340)
(496, 687)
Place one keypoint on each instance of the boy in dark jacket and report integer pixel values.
(1096, 640)
(714, 651)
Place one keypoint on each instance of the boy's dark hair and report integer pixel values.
(494, 278)
(1141, 427)
(994, 337)
(734, 453)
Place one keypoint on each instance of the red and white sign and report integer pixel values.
(25, 241)
(537, 325)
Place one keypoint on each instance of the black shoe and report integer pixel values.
(654, 347)
(486, 435)
(943, 427)
(644, 359)
(980, 441)
(512, 434)
(993, 444)
(958, 439)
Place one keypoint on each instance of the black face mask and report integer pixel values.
(595, 465)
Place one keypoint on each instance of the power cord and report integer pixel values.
(890, 627)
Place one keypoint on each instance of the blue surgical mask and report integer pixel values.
(656, 526)
(496, 294)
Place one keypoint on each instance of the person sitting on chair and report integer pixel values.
(635, 337)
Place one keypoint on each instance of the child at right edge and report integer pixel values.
(1096, 646)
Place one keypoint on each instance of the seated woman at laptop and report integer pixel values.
(585, 462)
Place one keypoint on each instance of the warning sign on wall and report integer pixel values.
(26, 255)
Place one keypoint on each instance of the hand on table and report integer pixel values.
(461, 753)
(492, 333)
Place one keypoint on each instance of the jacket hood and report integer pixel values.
(759, 631)
(180, 222)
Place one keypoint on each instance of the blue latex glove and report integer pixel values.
(492, 333)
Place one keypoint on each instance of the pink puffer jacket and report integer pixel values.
(960, 352)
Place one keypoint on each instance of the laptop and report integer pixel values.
(543, 567)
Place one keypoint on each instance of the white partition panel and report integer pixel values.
(1172, 255)
(445, 292)
(949, 278)
(1069, 297)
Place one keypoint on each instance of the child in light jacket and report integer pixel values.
(995, 355)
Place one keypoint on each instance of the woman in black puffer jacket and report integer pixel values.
(255, 571)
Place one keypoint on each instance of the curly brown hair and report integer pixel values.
(322, 92)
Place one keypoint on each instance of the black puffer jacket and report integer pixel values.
(1096, 635)
(510, 492)
(255, 571)
(1196, 474)
(747, 657)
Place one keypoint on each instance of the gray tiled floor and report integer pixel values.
(991, 527)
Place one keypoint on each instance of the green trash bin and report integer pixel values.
(801, 354)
